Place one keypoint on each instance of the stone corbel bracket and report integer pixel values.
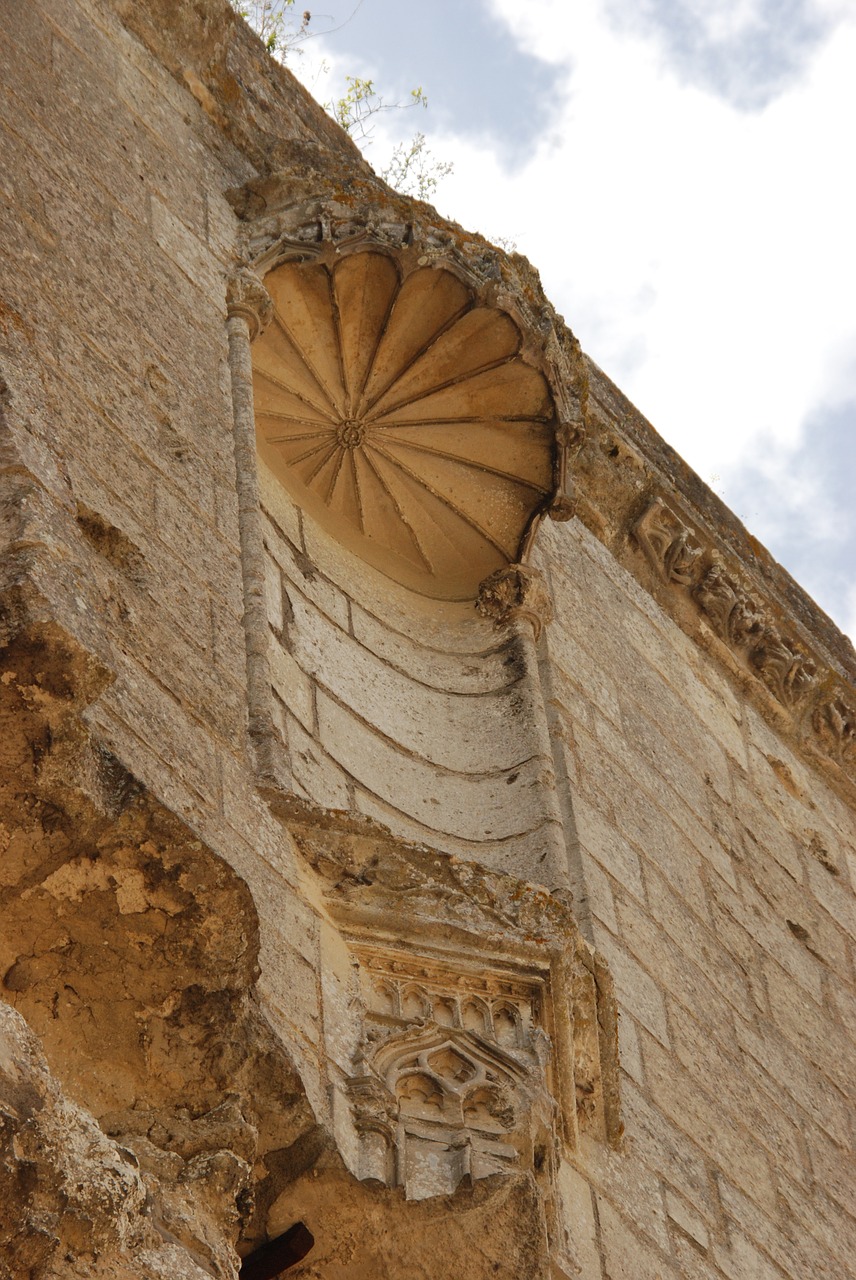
(517, 592)
(814, 701)
(494, 972)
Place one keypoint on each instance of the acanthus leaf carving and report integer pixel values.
(784, 668)
(668, 544)
(835, 723)
(732, 612)
(791, 674)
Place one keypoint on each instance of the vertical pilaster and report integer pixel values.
(516, 598)
(249, 310)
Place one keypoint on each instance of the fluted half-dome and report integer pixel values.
(400, 414)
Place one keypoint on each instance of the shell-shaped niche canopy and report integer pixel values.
(399, 412)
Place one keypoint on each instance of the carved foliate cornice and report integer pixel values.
(820, 707)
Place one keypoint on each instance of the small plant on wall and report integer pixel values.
(412, 168)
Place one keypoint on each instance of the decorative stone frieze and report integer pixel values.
(666, 543)
(516, 592)
(795, 677)
(783, 667)
(733, 614)
(834, 721)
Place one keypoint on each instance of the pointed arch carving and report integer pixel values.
(455, 1104)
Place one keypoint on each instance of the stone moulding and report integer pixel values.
(248, 312)
(821, 710)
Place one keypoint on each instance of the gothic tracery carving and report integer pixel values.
(451, 1081)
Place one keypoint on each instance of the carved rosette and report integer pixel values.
(516, 592)
(247, 297)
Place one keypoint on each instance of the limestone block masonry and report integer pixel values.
(427, 841)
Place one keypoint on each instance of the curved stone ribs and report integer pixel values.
(813, 696)
(400, 412)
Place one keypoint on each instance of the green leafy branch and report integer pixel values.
(272, 20)
(412, 168)
(361, 102)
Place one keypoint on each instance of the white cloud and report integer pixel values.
(702, 254)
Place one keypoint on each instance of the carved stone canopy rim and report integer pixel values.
(399, 411)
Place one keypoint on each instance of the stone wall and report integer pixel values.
(685, 788)
(716, 868)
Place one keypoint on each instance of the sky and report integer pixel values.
(681, 173)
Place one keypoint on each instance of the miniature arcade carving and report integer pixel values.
(451, 1082)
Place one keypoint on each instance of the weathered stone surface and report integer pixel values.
(276, 833)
